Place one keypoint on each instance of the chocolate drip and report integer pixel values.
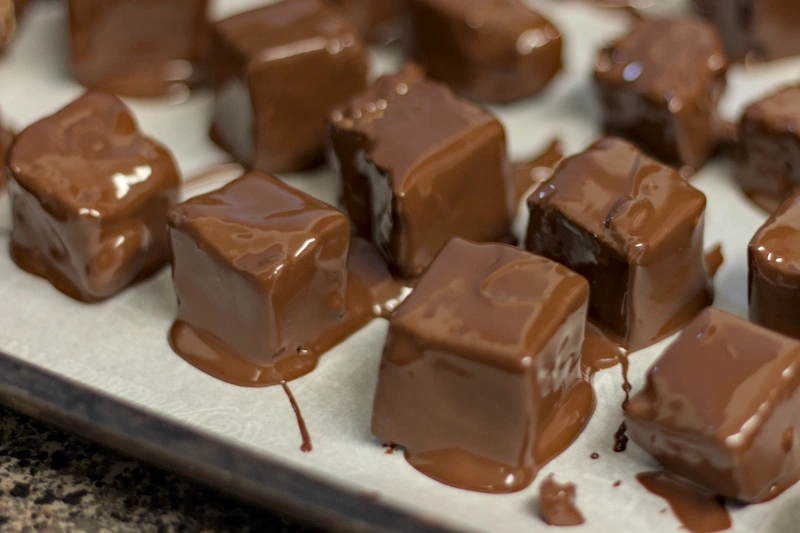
(301, 423)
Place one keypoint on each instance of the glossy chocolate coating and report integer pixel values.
(721, 407)
(277, 73)
(378, 21)
(660, 86)
(485, 50)
(557, 503)
(634, 228)
(757, 29)
(773, 258)
(144, 48)
(89, 198)
(480, 378)
(768, 157)
(418, 166)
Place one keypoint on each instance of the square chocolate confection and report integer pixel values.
(721, 407)
(481, 365)
(660, 86)
(634, 228)
(260, 270)
(144, 48)
(277, 73)
(418, 166)
(486, 50)
(89, 198)
(773, 258)
(757, 29)
(377, 21)
(768, 159)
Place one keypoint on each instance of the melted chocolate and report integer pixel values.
(720, 407)
(621, 438)
(697, 509)
(557, 503)
(774, 270)
(480, 379)
(277, 71)
(378, 21)
(89, 199)
(626, 223)
(290, 283)
(714, 259)
(301, 423)
(768, 157)
(400, 141)
(530, 174)
(660, 86)
(485, 50)
(145, 48)
(8, 23)
(755, 30)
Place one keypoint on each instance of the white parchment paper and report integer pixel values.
(120, 346)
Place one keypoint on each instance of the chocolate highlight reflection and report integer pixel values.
(480, 378)
(89, 199)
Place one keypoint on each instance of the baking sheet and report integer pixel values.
(120, 346)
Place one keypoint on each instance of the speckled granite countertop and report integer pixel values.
(51, 481)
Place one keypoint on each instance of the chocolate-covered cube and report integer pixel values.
(755, 29)
(89, 198)
(480, 363)
(144, 48)
(634, 228)
(773, 258)
(377, 21)
(260, 270)
(418, 166)
(721, 407)
(660, 85)
(485, 50)
(768, 155)
(277, 72)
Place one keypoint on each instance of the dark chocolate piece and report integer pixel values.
(698, 510)
(768, 157)
(146, 48)
(721, 407)
(480, 379)
(634, 228)
(660, 86)
(280, 294)
(418, 166)
(277, 73)
(760, 30)
(557, 503)
(378, 21)
(773, 258)
(89, 199)
(485, 50)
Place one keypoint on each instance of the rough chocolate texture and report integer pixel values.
(89, 198)
(660, 86)
(481, 379)
(755, 29)
(277, 72)
(378, 21)
(773, 258)
(487, 50)
(634, 228)
(768, 158)
(721, 408)
(418, 166)
(144, 48)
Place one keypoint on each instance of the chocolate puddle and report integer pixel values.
(526, 174)
(301, 423)
(698, 510)
(371, 293)
(557, 503)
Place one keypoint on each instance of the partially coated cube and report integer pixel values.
(277, 72)
(634, 228)
(659, 87)
(478, 363)
(260, 271)
(89, 199)
(144, 48)
(418, 166)
(721, 407)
